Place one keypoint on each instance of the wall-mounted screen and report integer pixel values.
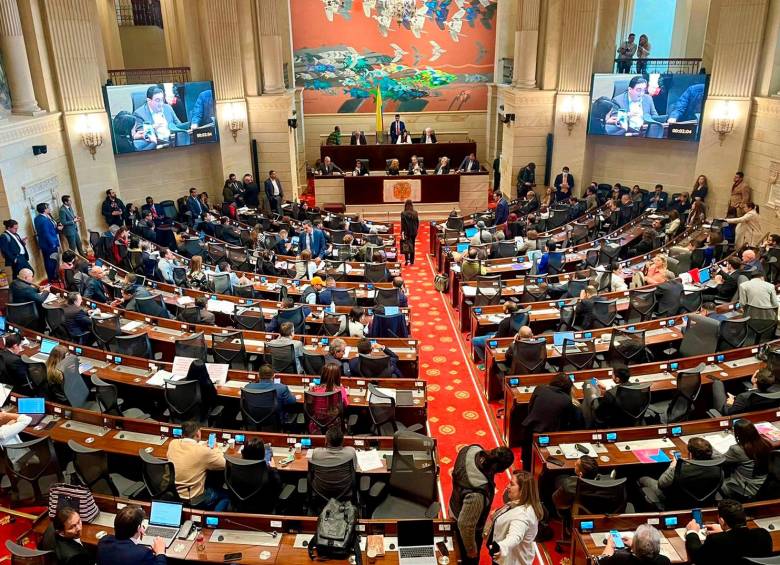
(148, 117)
(655, 105)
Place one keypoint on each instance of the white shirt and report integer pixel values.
(635, 114)
(160, 125)
(514, 531)
(18, 241)
(276, 187)
(9, 433)
(428, 139)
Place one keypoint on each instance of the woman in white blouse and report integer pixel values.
(616, 279)
(10, 426)
(510, 531)
(355, 324)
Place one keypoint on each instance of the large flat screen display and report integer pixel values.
(148, 117)
(655, 105)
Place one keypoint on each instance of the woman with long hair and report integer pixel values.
(700, 188)
(510, 531)
(355, 324)
(410, 225)
(197, 278)
(697, 213)
(642, 53)
(746, 462)
(394, 168)
(330, 380)
(121, 238)
(656, 270)
(55, 380)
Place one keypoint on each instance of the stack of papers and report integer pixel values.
(130, 326)
(181, 365)
(369, 460)
(51, 298)
(183, 300)
(570, 452)
(770, 432)
(159, 378)
(222, 306)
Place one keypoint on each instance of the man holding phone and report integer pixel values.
(644, 548)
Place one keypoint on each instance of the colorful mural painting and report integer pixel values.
(425, 55)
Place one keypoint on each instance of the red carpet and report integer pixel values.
(458, 413)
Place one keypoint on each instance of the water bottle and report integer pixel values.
(332, 307)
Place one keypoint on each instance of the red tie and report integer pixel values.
(154, 212)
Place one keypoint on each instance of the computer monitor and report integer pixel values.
(704, 275)
(558, 337)
(415, 533)
(47, 345)
(471, 232)
(31, 405)
(462, 247)
(2, 323)
(166, 513)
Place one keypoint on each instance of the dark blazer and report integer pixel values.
(583, 314)
(156, 207)
(95, 290)
(749, 401)
(464, 165)
(667, 296)
(550, 410)
(195, 206)
(269, 190)
(76, 320)
(354, 365)
(502, 211)
(16, 371)
(445, 171)
(423, 138)
(25, 292)
(14, 257)
(662, 200)
(395, 130)
(251, 195)
(729, 547)
(353, 139)
(71, 552)
(318, 245)
(410, 225)
(330, 169)
(283, 395)
(48, 236)
(111, 551)
(529, 206)
(110, 206)
(728, 287)
(410, 169)
(559, 181)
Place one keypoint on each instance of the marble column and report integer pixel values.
(271, 48)
(15, 62)
(526, 42)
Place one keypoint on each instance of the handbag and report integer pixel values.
(76, 496)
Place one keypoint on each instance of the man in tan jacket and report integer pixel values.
(191, 459)
(740, 195)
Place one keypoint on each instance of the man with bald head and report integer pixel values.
(95, 290)
(24, 290)
(750, 262)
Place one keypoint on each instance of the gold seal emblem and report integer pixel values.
(402, 190)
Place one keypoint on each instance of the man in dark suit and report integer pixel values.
(729, 540)
(502, 208)
(203, 112)
(336, 351)
(663, 492)
(22, 289)
(313, 240)
(283, 395)
(68, 546)
(583, 311)
(15, 368)
(95, 290)
(77, 321)
(564, 178)
(442, 167)
(658, 199)
(159, 118)
(429, 136)
(688, 105)
(284, 245)
(416, 166)
(625, 120)
(364, 347)
(328, 167)
(600, 406)
(469, 164)
(274, 192)
(150, 206)
(251, 191)
(48, 232)
(358, 138)
(667, 295)
(396, 128)
(194, 205)
(113, 209)
(123, 547)
(14, 248)
(727, 281)
(763, 382)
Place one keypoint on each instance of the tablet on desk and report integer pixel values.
(704, 275)
(471, 232)
(462, 247)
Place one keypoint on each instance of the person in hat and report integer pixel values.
(310, 293)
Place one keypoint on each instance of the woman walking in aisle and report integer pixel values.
(410, 225)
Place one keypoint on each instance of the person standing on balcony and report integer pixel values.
(642, 53)
(626, 53)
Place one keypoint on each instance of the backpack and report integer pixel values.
(441, 283)
(336, 535)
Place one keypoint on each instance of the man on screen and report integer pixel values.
(635, 109)
(159, 119)
(203, 111)
(688, 105)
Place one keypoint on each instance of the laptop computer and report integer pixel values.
(415, 542)
(558, 338)
(34, 407)
(470, 232)
(164, 522)
(47, 345)
(705, 278)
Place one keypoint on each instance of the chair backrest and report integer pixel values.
(221, 283)
(633, 400)
(626, 346)
(282, 357)
(688, 387)
(642, 301)
(159, 477)
(189, 314)
(193, 346)
(22, 555)
(252, 321)
(150, 305)
(690, 301)
(323, 409)
(374, 366)
(604, 313)
(24, 314)
(183, 400)
(376, 272)
(555, 262)
(247, 482)
(91, 467)
(506, 248)
(696, 483)
(331, 481)
(294, 315)
(528, 356)
(576, 286)
(733, 333)
(389, 326)
(55, 320)
(701, 336)
(260, 410)
(107, 396)
(31, 463)
(580, 353)
(136, 345)
(519, 319)
(244, 290)
(73, 385)
(332, 323)
(343, 296)
(312, 362)
(387, 297)
(38, 376)
(603, 496)
(381, 408)
(414, 472)
(228, 347)
(105, 329)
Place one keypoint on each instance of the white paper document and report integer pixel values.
(369, 460)
(218, 372)
(181, 365)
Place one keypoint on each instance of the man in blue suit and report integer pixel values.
(283, 395)
(195, 206)
(48, 232)
(273, 190)
(159, 120)
(636, 108)
(14, 248)
(123, 548)
(688, 105)
(203, 111)
(396, 129)
(502, 209)
(313, 240)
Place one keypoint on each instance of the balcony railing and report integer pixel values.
(139, 13)
(146, 76)
(674, 66)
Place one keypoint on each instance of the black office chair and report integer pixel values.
(770, 489)
(193, 346)
(577, 353)
(387, 297)
(137, 345)
(189, 314)
(22, 555)
(73, 385)
(680, 407)
(25, 315)
(180, 276)
(221, 283)
(281, 357)
(91, 466)
(31, 467)
(556, 262)
(506, 248)
(733, 333)
(529, 356)
(260, 410)
(244, 291)
(411, 491)
(108, 400)
(374, 366)
(633, 402)
(627, 347)
(603, 496)
(312, 363)
(55, 320)
(323, 410)
(228, 347)
(519, 318)
(604, 313)
(294, 315)
(326, 482)
(251, 486)
(376, 272)
(150, 305)
(567, 313)
(248, 320)
(38, 379)
(690, 301)
(381, 408)
(183, 399)
(701, 493)
(159, 477)
(105, 329)
(343, 296)
(762, 324)
(332, 324)
(488, 290)
(575, 286)
(215, 251)
(642, 302)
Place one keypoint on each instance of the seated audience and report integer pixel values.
(394, 168)
(365, 347)
(286, 336)
(23, 289)
(585, 467)
(416, 166)
(398, 284)
(77, 321)
(16, 373)
(658, 199)
(429, 136)
(191, 460)
(95, 289)
(469, 164)
(583, 310)
(197, 277)
(266, 382)
(123, 547)
(727, 404)
(165, 264)
(746, 464)
(310, 293)
(668, 295)
(336, 351)
(616, 280)
(759, 296)
(356, 323)
(305, 267)
(360, 170)
(442, 167)
(600, 405)
(643, 548)
(68, 547)
(335, 452)
(656, 269)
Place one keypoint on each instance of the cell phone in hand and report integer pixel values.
(212, 440)
(696, 513)
(616, 539)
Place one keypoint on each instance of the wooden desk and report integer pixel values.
(584, 547)
(737, 364)
(369, 189)
(345, 155)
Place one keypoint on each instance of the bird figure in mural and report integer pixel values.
(485, 3)
(384, 21)
(417, 55)
(331, 7)
(417, 21)
(481, 52)
(437, 51)
(399, 53)
(455, 25)
(368, 5)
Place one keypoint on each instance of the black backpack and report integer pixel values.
(336, 536)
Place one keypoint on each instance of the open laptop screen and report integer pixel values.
(470, 232)
(47, 345)
(558, 337)
(704, 275)
(413, 533)
(165, 513)
(31, 406)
